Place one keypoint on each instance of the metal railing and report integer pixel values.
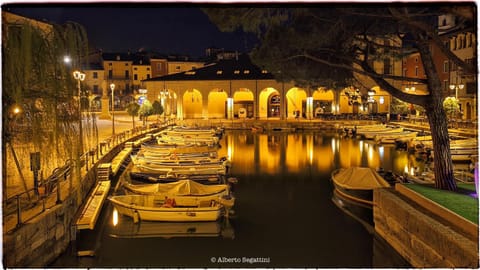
(27, 205)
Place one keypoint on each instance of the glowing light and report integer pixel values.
(406, 169)
(381, 151)
(115, 217)
(382, 100)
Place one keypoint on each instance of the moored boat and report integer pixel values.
(357, 184)
(159, 208)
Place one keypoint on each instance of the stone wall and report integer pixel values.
(39, 241)
(420, 237)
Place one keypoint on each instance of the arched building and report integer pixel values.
(236, 88)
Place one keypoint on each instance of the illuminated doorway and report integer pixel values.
(217, 99)
(274, 105)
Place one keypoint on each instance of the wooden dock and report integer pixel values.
(92, 208)
(120, 159)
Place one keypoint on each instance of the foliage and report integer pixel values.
(35, 78)
(146, 109)
(335, 44)
(451, 106)
(132, 110)
(157, 108)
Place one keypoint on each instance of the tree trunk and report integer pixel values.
(442, 159)
(437, 118)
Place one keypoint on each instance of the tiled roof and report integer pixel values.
(241, 69)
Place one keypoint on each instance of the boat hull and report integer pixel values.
(151, 208)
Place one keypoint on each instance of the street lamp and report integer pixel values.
(456, 87)
(79, 76)
(112, 86)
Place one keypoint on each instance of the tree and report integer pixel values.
(132, 110)
(338, 41)
(146, 109)
(451, 107)
(36, 79)
(157, 108)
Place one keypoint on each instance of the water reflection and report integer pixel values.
(271, 153)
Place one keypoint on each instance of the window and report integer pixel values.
(126, 64)
(246, 71)
(148, 76)
(445, 86)
(416, 71)
(110, 74)
(404, 72)
(135, 77)
(95, 89)
(127, 74)
(110, 64)
(445, 66)
(95, 75)
(236, 72)
(264, 71)
(148, 69)
(135, 68)
(219, 72)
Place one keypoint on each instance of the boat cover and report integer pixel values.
(359, 178)
(181, 188)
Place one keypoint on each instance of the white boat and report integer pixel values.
(190, 191)
(371, 134)
(180, 169)
(394, 136)
(159, 208)
(356, 184)
(184, 187)
(188, 140)
(174, 159)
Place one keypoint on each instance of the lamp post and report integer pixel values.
(79, 76)
(456, 87)
(112, 86)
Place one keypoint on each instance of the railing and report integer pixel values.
(29, 204)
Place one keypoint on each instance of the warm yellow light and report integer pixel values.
(16, 109)
(115, 217)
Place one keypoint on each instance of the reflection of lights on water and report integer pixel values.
(230, 148)
(334, 145)
(370, 152)
(381, 151)
(406, 169)
(412, 171)
(115, 217)
(310, 154)
(361, 146)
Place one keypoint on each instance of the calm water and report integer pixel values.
(284, 214)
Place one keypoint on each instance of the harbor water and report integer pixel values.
(284, 214)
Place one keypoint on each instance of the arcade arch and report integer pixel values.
(243, 103)
(269, 103)
(217, 103)
(192, 104)
(296, 102)
(323, 102)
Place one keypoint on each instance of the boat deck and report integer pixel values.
(92, 208)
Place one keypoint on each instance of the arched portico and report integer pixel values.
(269, 103)
(323, 102)
(192, 104)
(296, 102)
(217, 103)
(243, 103)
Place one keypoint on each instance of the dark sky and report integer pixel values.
(119, 27)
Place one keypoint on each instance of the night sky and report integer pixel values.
(160, 27)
